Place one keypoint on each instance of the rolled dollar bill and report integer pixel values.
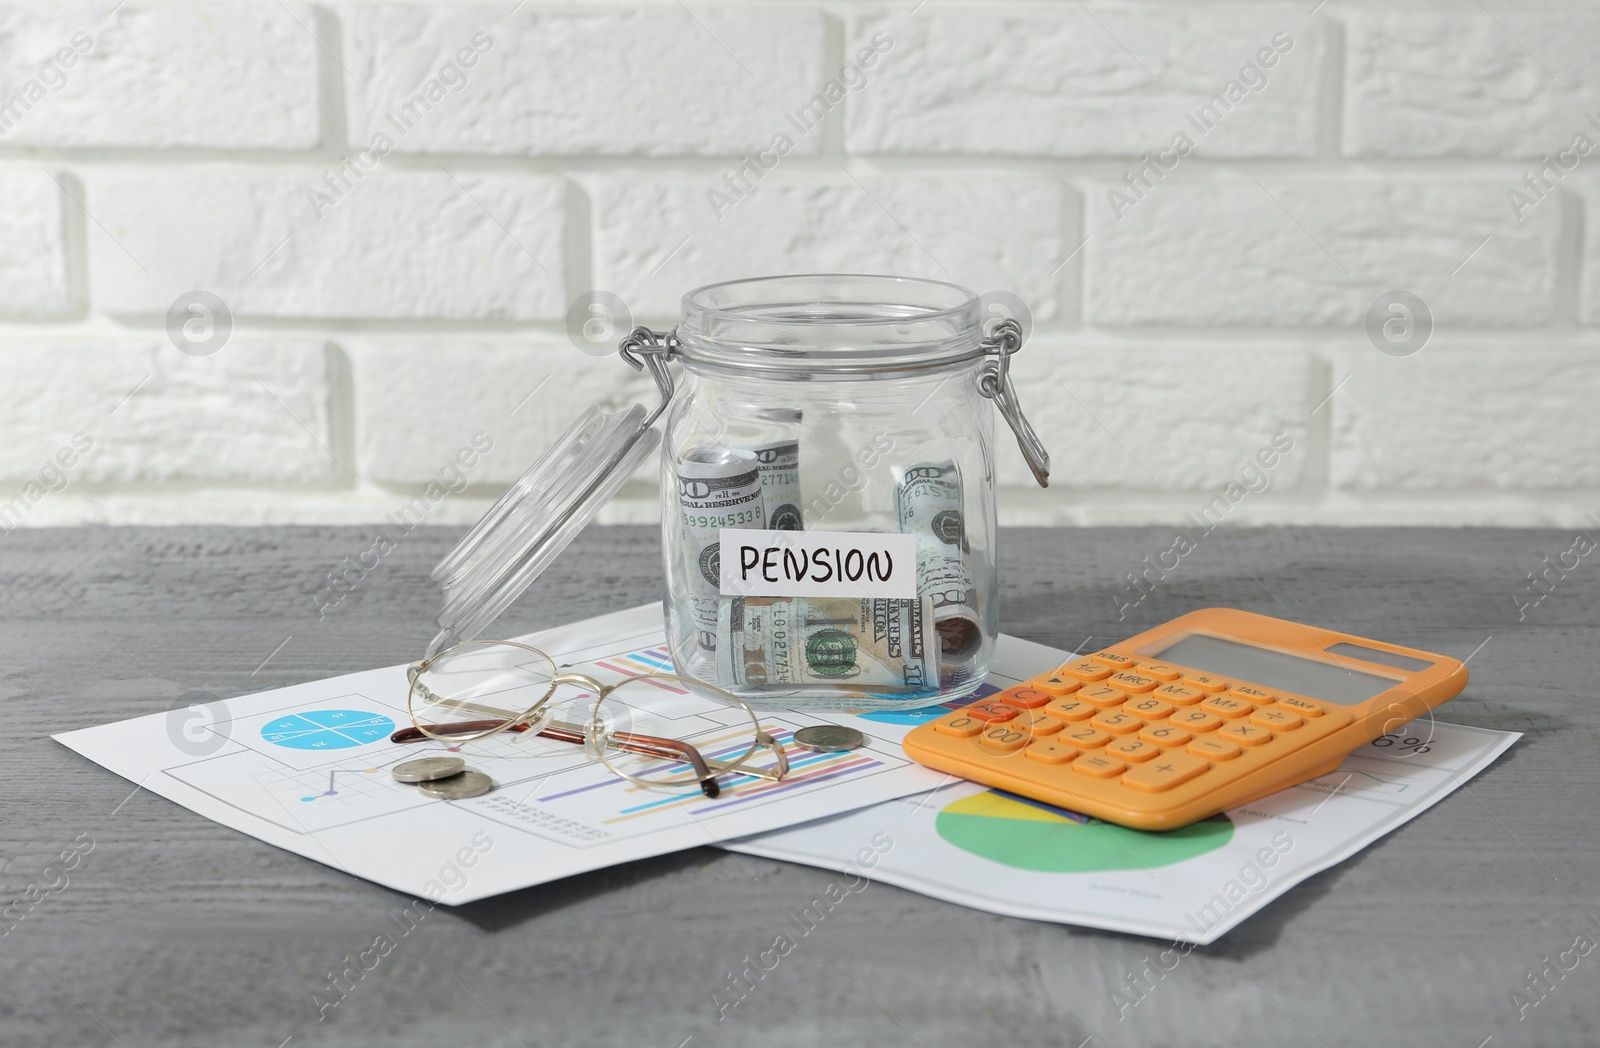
(717, 488)
(928, 505)
(877, 642)
(780, 484)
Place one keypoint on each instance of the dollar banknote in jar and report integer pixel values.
(780, 484)
(869, 642)
(928, 505)
(717, 488)
(780, 470)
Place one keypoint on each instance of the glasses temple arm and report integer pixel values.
(627, 740)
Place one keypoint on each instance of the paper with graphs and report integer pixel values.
(307, 768)
(994, 851)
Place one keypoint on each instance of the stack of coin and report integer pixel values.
(829, 738)
(447, 778)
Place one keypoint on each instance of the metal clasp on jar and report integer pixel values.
(1003, 338)
(644, 348)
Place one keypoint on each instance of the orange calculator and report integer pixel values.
(1209, 711)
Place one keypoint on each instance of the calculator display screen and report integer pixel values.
(1274, 669)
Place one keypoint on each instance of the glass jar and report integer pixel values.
(843, 422)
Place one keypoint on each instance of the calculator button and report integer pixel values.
(1003, 737)
(1165, 772)
(993, 712)
(1056, 684)
(959, 726)
(1252, 695)
(1249, 734)
(1118, 722)
(1100, 695)
(1179, 694)
(1214, 749)
(1196, 720)
(1205, 682)
(1276, 719)
(1035, 722)
(1049, 751)
(1023, 697)
(1111, 658)
(1084, 736)
(1301, 706)
(1133, 683)
(1160, 670)
(1099, 766)
(1148, 707)
(1085, 670)
(1132, 750)
(1165, 735)
(1226, 706)
(1071, 710)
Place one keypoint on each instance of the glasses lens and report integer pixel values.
(663, 714)
(481, 680)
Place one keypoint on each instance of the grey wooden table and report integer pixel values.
(176, 931)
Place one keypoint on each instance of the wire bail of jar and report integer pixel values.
(646, 349)
(1002, 338)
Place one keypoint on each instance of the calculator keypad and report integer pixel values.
(1171, 770)
(1101, 695)
(1129, 729)
(1133, 683)
(1085, 670)
(1179, 694)
(1024, 698)
(1099, 766)
(992, 712)
(1227, 706)
(1071, 710)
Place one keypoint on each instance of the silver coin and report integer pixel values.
(829, 738)
(458, 787)
(424, 769)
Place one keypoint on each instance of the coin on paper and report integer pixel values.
(425, 769)
(829, 738)
(458, 787)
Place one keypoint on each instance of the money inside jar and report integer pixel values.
(879, 642)
(717, 488)
(928, 505)
(779, 465)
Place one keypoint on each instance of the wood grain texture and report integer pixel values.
(176, 931)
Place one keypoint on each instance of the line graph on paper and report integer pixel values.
(615, 802)
(545, 787)
(1375, 780)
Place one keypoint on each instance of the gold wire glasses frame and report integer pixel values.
(594, 734)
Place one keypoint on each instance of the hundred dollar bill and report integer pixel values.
(877, 642)
(717, 488)
(780, 484)
(928, 505)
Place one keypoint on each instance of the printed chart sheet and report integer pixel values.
(995, 851)
(307, 768)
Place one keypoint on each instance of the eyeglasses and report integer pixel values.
(513, 686)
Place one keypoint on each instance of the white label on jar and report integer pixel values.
(818, 564)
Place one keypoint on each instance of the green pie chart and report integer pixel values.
(1031, 835)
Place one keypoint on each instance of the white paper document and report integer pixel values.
(994, 851)
(307, 768)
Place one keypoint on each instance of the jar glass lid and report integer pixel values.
(540, 514)
(830, 323)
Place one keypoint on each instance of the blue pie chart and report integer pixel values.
(327, 729)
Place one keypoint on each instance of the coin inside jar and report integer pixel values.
(458, 787)
(829, 738)
(425, 769)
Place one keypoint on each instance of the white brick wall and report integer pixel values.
(397, 202)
